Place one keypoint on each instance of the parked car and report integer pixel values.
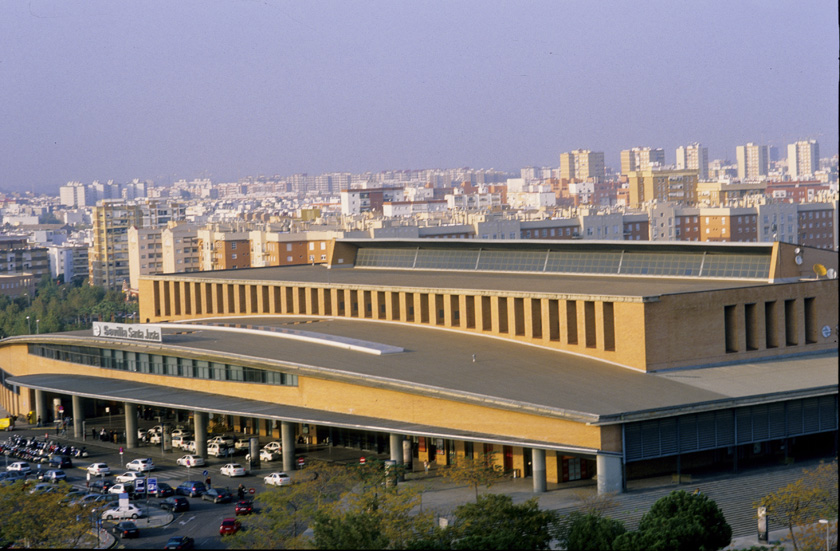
(99, 469)
(192, 488)
(53, 475)
(217, 495)
(11, 477)
(125, 529)
(98, 499)
(277, 479)
(273, 446)
(122, 512)
(233, 469)
(101, 486)
(225, 440)
(122, 488)
(163, 490)
(180, 441)
(21, 467)
(244, 507)
(229, 526)
(242, 444)
(219, 450)
(154, 438)
(190, 446)
(141, 465)
(180, 542)
(190, 461)
(43, 487)
(181, 433)
(176, 504)
(61, 462)
(130, 476)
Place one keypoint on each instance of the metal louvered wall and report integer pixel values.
(724, 428)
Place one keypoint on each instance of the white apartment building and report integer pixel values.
(753, 161)
(803, 159)
(694, 157)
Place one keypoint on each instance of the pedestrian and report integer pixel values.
(241, 491)
(207, 482)
(39, 420)
(426, 466)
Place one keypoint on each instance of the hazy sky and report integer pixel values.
(165, 90)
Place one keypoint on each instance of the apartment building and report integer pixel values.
(69, 261)
(753, 161)
(694, 157)
(359, 201)
(181, 251)
(803, 159)
(582, 164)
(662, 185)
(641, 158)
(221, 249)
(145, 253)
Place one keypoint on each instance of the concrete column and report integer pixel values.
(130, 425)
(200, 422)
(287, 440)
(41, 406)
(78, 416)
(396, 448)
(538, 464)
(609, 474)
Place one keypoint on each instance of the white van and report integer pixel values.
(179, 441)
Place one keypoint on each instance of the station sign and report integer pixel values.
(128, 331)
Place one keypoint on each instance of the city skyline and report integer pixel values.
(119, 90)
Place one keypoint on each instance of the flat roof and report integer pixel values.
(549, 283)
(505, 374)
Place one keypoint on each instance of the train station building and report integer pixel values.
(568, 360)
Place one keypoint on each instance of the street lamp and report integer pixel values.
(37, 327)
(29, 323)
(827, 532)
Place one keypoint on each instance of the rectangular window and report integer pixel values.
(811, 330)
(589, 323)
(730, 324)
(791, 326)
(571, 322)
(609, 326)
(751, 326)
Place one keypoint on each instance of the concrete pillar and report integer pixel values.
(609, 474)
(396, 448)
(78, 416)
(538, 464)
(200, 422)
(287, 440)
(130, 425)
(41, 407)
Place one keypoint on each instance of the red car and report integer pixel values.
(244, 507)
(229, 526)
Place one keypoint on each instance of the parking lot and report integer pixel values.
(204, 518)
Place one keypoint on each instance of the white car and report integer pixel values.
(226, 440)
(141, 433)
(233, 469)
(130, 476)
(20, 466)
(99, 469)
(154, 438)
(265, 455)
(181, 432)
(190, 446)
(141, 465)
(277, 479)
(273, 446)
(242, 444)
(121, 488)
(190, 461)
(127, 511)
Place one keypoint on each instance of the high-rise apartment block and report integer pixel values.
(109, 258)
(694, 157)
(753, 161)
(582, 164)
(803, 159)
(641, 158)
(72, 195)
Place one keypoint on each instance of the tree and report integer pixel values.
(373, 520)
(494, 522)
(287, 512)
(803, 502)
(580, 531)
(474, 471)
(679, 522)
(39, 520)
